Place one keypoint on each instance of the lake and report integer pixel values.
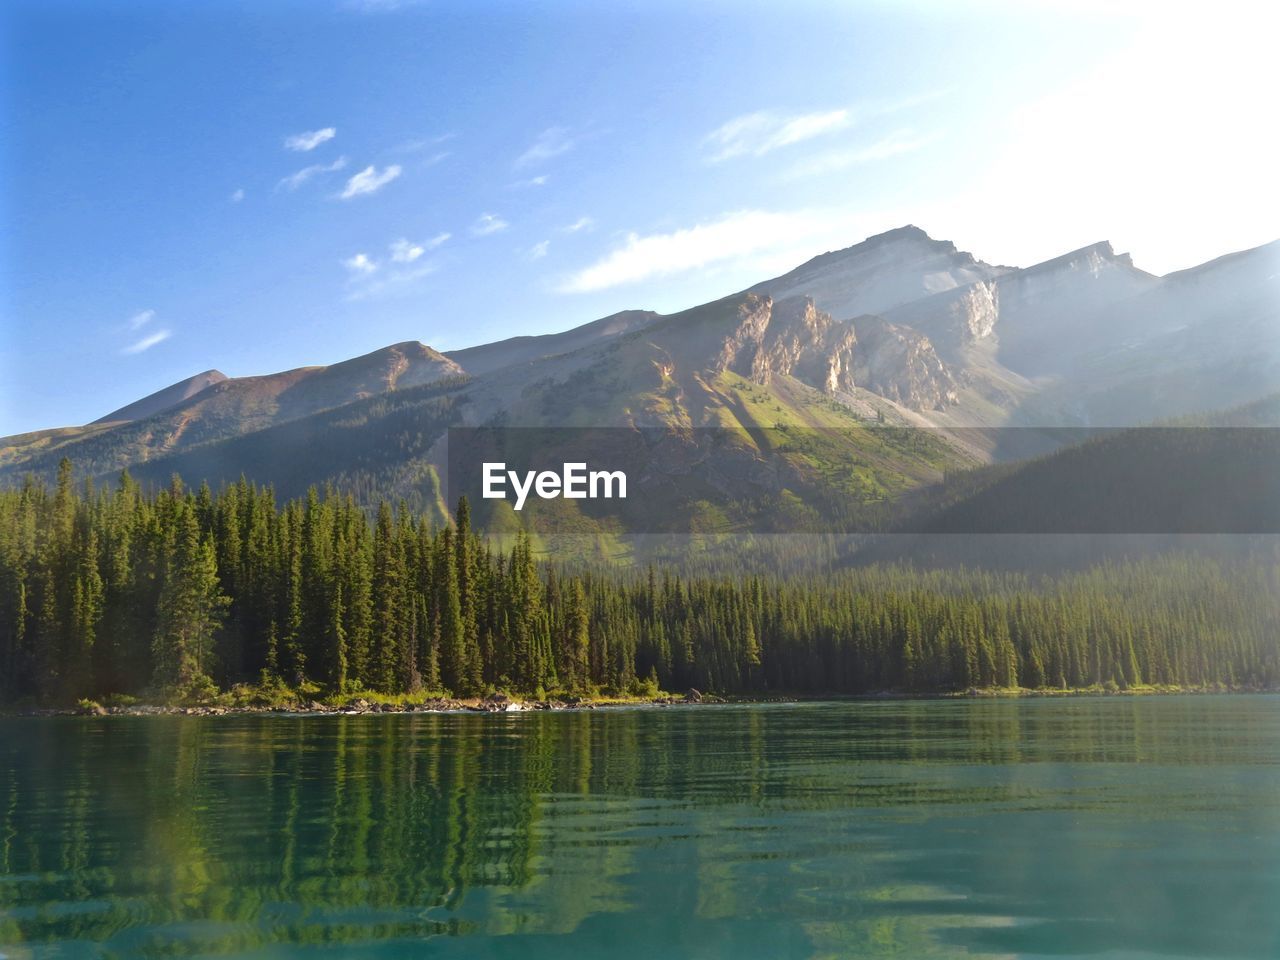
(1085, 827)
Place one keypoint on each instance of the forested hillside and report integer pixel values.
(174, 595)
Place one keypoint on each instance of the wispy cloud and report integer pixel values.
(237, 195)
(360, 264)
(488, 223)
(755, 134)
(406, 251)
(739, 236)
(582, 223)
(425, 143)
(296, 179)
(539, 250)
(302, 142)
(147, 342)
(141, 319)
(538, 181)
(369, 180)
(551, 142)
(389, 282)
(832, 161)
(405, 264)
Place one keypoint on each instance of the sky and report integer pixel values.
(259, 186)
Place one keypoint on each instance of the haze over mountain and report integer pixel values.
(898, 329)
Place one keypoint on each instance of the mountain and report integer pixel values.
(170, 396)
(228, 408)
(516, 350)
(1049, 312)
(882, 272)
(898, 330)
(1199, 339)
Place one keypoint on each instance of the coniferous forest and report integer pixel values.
(184, 593)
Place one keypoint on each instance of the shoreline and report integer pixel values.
(361, 706)
(502, 703)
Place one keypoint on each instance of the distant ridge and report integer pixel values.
(162, 400)
(1102, 251)
(899, 329)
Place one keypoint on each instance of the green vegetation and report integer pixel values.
(186, 594)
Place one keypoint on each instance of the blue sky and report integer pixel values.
(259, 186)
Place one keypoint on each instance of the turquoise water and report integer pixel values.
(1101, 828)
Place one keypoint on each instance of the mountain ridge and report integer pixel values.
(899, 328)
(164, 398)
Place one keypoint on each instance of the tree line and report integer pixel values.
(184, 592)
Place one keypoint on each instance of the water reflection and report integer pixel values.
(927, 828)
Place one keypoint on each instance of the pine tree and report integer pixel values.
(388, 575)
(190, 607)
(452, 638)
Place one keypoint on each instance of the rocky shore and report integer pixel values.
(494, 703)
(502, 703)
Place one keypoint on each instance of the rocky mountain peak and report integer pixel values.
(880, 273)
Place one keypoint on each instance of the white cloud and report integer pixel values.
(366, 285)
(360, 264)
(582, 223)
(759, 133)
(760, 236)
(831, 161)
(488, 223)
(147, 342)
(405, 251)
(302, 142)
(141, 319)
(438, 240)
(296, 179)
(539, 250)
(237, 195)
(539, 181)
(550, 143)
(369, 180)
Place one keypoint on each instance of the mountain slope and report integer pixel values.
(488, 357)
(161, 400)
(1203, 483)
(233, 407)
